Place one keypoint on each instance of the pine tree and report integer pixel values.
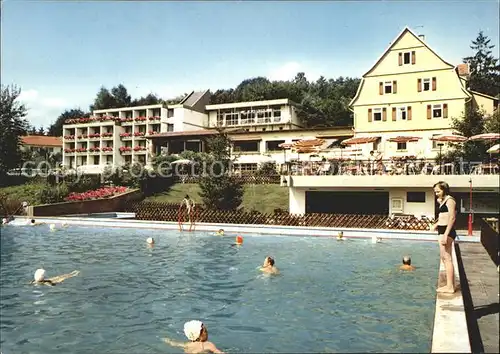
(484, 67)
(219, 189)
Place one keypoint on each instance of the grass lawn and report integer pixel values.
(261, 197)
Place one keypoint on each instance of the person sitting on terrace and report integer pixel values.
(268, 266)
(407, 264)
(197, 333)
(40, 277)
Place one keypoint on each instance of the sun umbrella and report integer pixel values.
(495, 149)
(182, 162)
(485, 137)
(404, 139)
(449, 138)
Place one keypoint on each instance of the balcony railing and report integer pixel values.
(396, 167)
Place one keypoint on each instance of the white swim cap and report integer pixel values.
(52, 226)
(192, 329)
(40, 274)
(4, 221)
(150, 240)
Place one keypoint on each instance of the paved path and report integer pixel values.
(480, 297)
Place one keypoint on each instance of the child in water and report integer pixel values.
(197, 333)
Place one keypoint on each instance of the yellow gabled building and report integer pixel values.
(411, 91)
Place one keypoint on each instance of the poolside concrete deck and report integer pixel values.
(480, 288)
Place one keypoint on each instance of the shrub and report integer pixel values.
(50, 194)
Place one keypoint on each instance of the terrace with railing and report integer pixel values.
(397, 166)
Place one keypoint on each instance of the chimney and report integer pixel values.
(422, 37)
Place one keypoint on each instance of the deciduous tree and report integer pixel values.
(13, 125)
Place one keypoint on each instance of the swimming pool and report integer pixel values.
(331, 296)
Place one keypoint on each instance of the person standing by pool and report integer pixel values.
(197, 333)
(445, 227)
(189, 204)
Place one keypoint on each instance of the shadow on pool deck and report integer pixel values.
(480, 281)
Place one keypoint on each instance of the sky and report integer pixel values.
(61, 52)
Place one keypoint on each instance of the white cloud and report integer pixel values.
(43, 109)
(290, 69)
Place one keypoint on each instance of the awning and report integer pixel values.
(360, 140)
(404, 139)
(245, 138)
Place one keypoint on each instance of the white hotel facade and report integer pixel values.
(137, 134)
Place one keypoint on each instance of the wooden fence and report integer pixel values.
(170, 212)
(274, 179)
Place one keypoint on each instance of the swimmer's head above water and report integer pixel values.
(39, 275)
(150, 240)
(407, 260)
(196, 331)
(268, 262)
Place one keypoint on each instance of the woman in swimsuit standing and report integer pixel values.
(445, 227)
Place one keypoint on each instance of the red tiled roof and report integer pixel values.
(41, 140)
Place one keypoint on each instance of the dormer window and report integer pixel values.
(407, 58)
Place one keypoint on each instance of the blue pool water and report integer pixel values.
(331, 296)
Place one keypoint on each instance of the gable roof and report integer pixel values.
(41, 140)
(399, 36)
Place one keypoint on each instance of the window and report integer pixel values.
(415, 197)
(402, 113)
(96, 160)
(435, 145)
(273, 145)
(437, 111)
(401, 146)
(377, 114)
(388, 87)
(246, 146)
(232, 119)
(407, 58)
(396, 205)
(109, 159)
(426, 85)
(170, 127)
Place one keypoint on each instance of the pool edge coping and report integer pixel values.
(450, 331)
(280, 230)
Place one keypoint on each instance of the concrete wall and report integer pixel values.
(85, 207)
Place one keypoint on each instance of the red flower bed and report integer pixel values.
(97, 194)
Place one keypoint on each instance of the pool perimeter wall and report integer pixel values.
(450, 332)
(253, 229)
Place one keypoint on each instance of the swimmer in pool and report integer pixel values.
(340, 236)
(220, 232)
(197, 333)
(239, 241)
(407, 264)
(268, 266)
(40, 277)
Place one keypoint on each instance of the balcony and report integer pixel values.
(125, 150)
(140, 149)
(81, 151)
(94, 136)
(140, 120)
(69, 137)
(126, 136)
(107, 150)
(155, 119)
(126, 121)
(95, 151)
(139, 135)
(107, 136)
